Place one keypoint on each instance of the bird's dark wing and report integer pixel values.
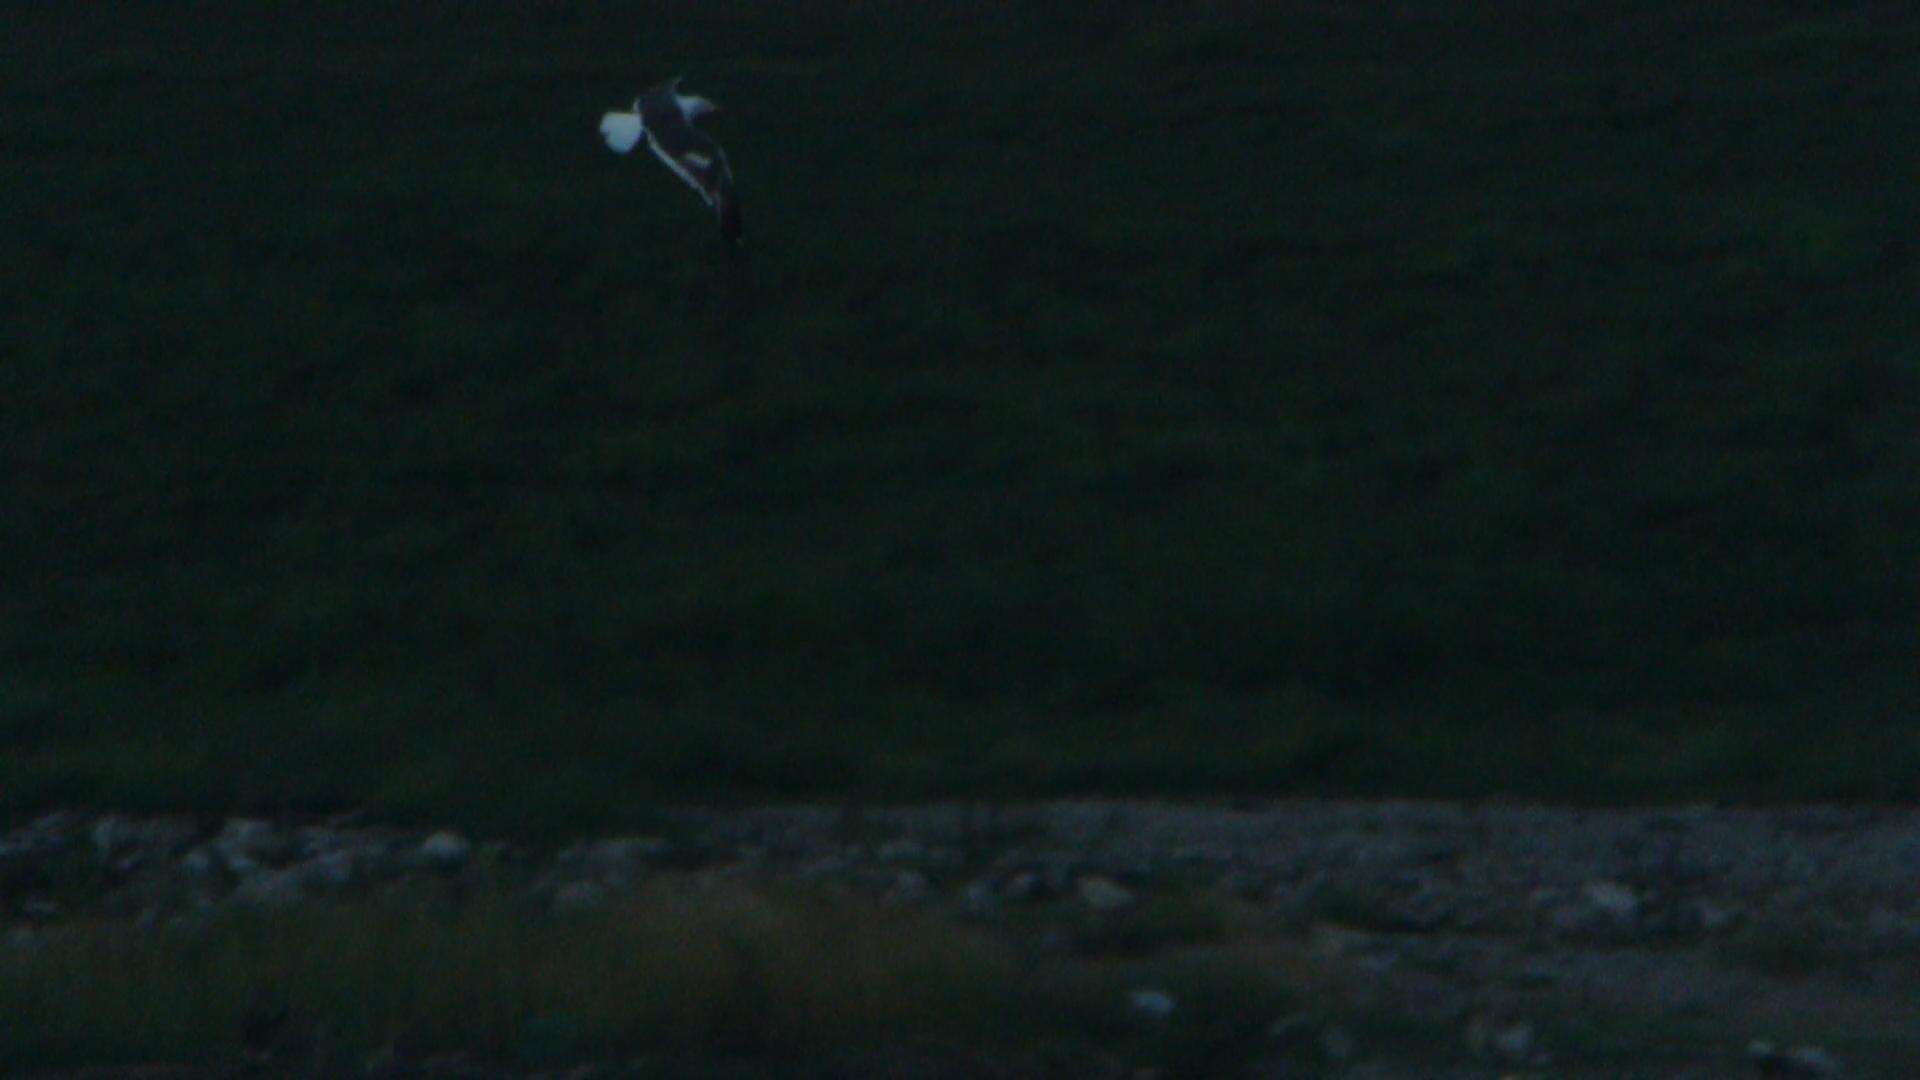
(695, 158)
(725, 202)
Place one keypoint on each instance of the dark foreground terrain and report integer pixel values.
(1357, 398)
(1394, 940)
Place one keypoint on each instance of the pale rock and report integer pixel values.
(1023, 886)
(1810, 1061)
(978, 900)
(1290, 1028)
(333, 871)
(1490, 1036)
(909, 887)
(1813, 1061)
(110, 835)
(1057, 874)
(1150, 1003)
(1612, 899)
(271, 890)
(115, 836)
(1710, 917)
(826, 867)
(446, 851)
(248, 842)
(55, 830)
(1103, 894)
(320, 840)
(1512, 1042)
(617, 863)
(202, 866)
(1332, 941)
(578, 896)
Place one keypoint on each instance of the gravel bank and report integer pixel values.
(1693, 941)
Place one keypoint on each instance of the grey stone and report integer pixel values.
(271, 890)
(617, 863)
(901, 850)
(577, 896)
(18, 864)
(1057, 873)
(909, 887)
(241, 866)
(1023, 886)
(1537, 973)
(1612, 899)
(1150, 1003)
(1290, 1028)
(1709, 917)
(822, 868)
(115, 837)
(333, 871)
(24, 862)
(1331, 941)
(1513, 1042)
(1103, 894)
(978, 900)
(110, 836)
(321, 840)
(48, 833)
(248, 842)
(1336, 1044)
(1429, 907)
(202, 866)
(444, 851)
(1240, 885)
(385, 1062)
(1811, 1061)
(1602, 909)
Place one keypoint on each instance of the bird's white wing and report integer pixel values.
(621, 130)
(694, 168)
(707, 172)
(693, 106)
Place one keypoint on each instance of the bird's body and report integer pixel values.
(664, 117)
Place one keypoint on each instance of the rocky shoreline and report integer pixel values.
(1765, 933)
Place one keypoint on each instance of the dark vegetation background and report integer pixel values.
(1433, 398)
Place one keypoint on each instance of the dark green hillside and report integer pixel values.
(1431, 399)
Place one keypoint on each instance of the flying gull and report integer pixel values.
(664, 117)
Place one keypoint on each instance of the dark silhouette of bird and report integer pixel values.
(664, 117)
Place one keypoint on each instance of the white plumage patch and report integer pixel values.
(680, 170)
(621, 130)
(693, 107)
